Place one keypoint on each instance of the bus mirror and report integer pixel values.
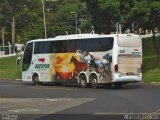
(18, 61)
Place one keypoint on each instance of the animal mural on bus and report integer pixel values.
(79, 66)
(94, 61)
(65, 66)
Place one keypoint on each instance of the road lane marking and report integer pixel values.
(59, 99)
(52, 88)
(10, 85)
(24, 110)
(52, 100)
(39, 105)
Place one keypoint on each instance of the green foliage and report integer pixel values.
(150, 65)
(28, 16)
(110, 5)
(102, 14)
(8, 68)
(63, 20)
(146, 13)
(143, 13)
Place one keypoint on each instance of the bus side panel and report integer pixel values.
(65, 67)
(62, 68)
(41, 65)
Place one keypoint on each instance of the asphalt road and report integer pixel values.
(25, 101)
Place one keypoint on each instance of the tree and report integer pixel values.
(111, 12)
(105, 13)
(146, 14)
(62, 20)
(27, 15)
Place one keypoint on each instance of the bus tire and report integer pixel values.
(94, 81)
(83, 81)
(35, 79)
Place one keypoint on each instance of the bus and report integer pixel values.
(84, 59)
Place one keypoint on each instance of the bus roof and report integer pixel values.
(80, 36)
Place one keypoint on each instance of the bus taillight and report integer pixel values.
(116, 68)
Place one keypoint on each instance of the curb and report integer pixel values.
(149, 83)
(155, 83)
(10, 79)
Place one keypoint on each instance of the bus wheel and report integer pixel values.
(83, 81)
(35, 79)
(94, 81)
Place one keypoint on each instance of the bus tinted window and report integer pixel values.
(58, 46)
(95, 44)
(90, 45)
(54, 47)
(69, 46)
(43, 47)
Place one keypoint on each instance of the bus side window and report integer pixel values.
(36, 48)
(70, 46)
(43, 47)
(59, 47)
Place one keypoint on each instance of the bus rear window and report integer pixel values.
(129, 41)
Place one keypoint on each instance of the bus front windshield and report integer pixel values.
(129, 41)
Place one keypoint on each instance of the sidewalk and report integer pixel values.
(3, 56)
(149, 35)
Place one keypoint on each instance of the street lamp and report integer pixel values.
(75, 15)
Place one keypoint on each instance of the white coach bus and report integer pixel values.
(84, 59)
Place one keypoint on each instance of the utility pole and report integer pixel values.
(13, 34)
(44, 20)
(3, 37)
(120, 29)
(117, 27)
